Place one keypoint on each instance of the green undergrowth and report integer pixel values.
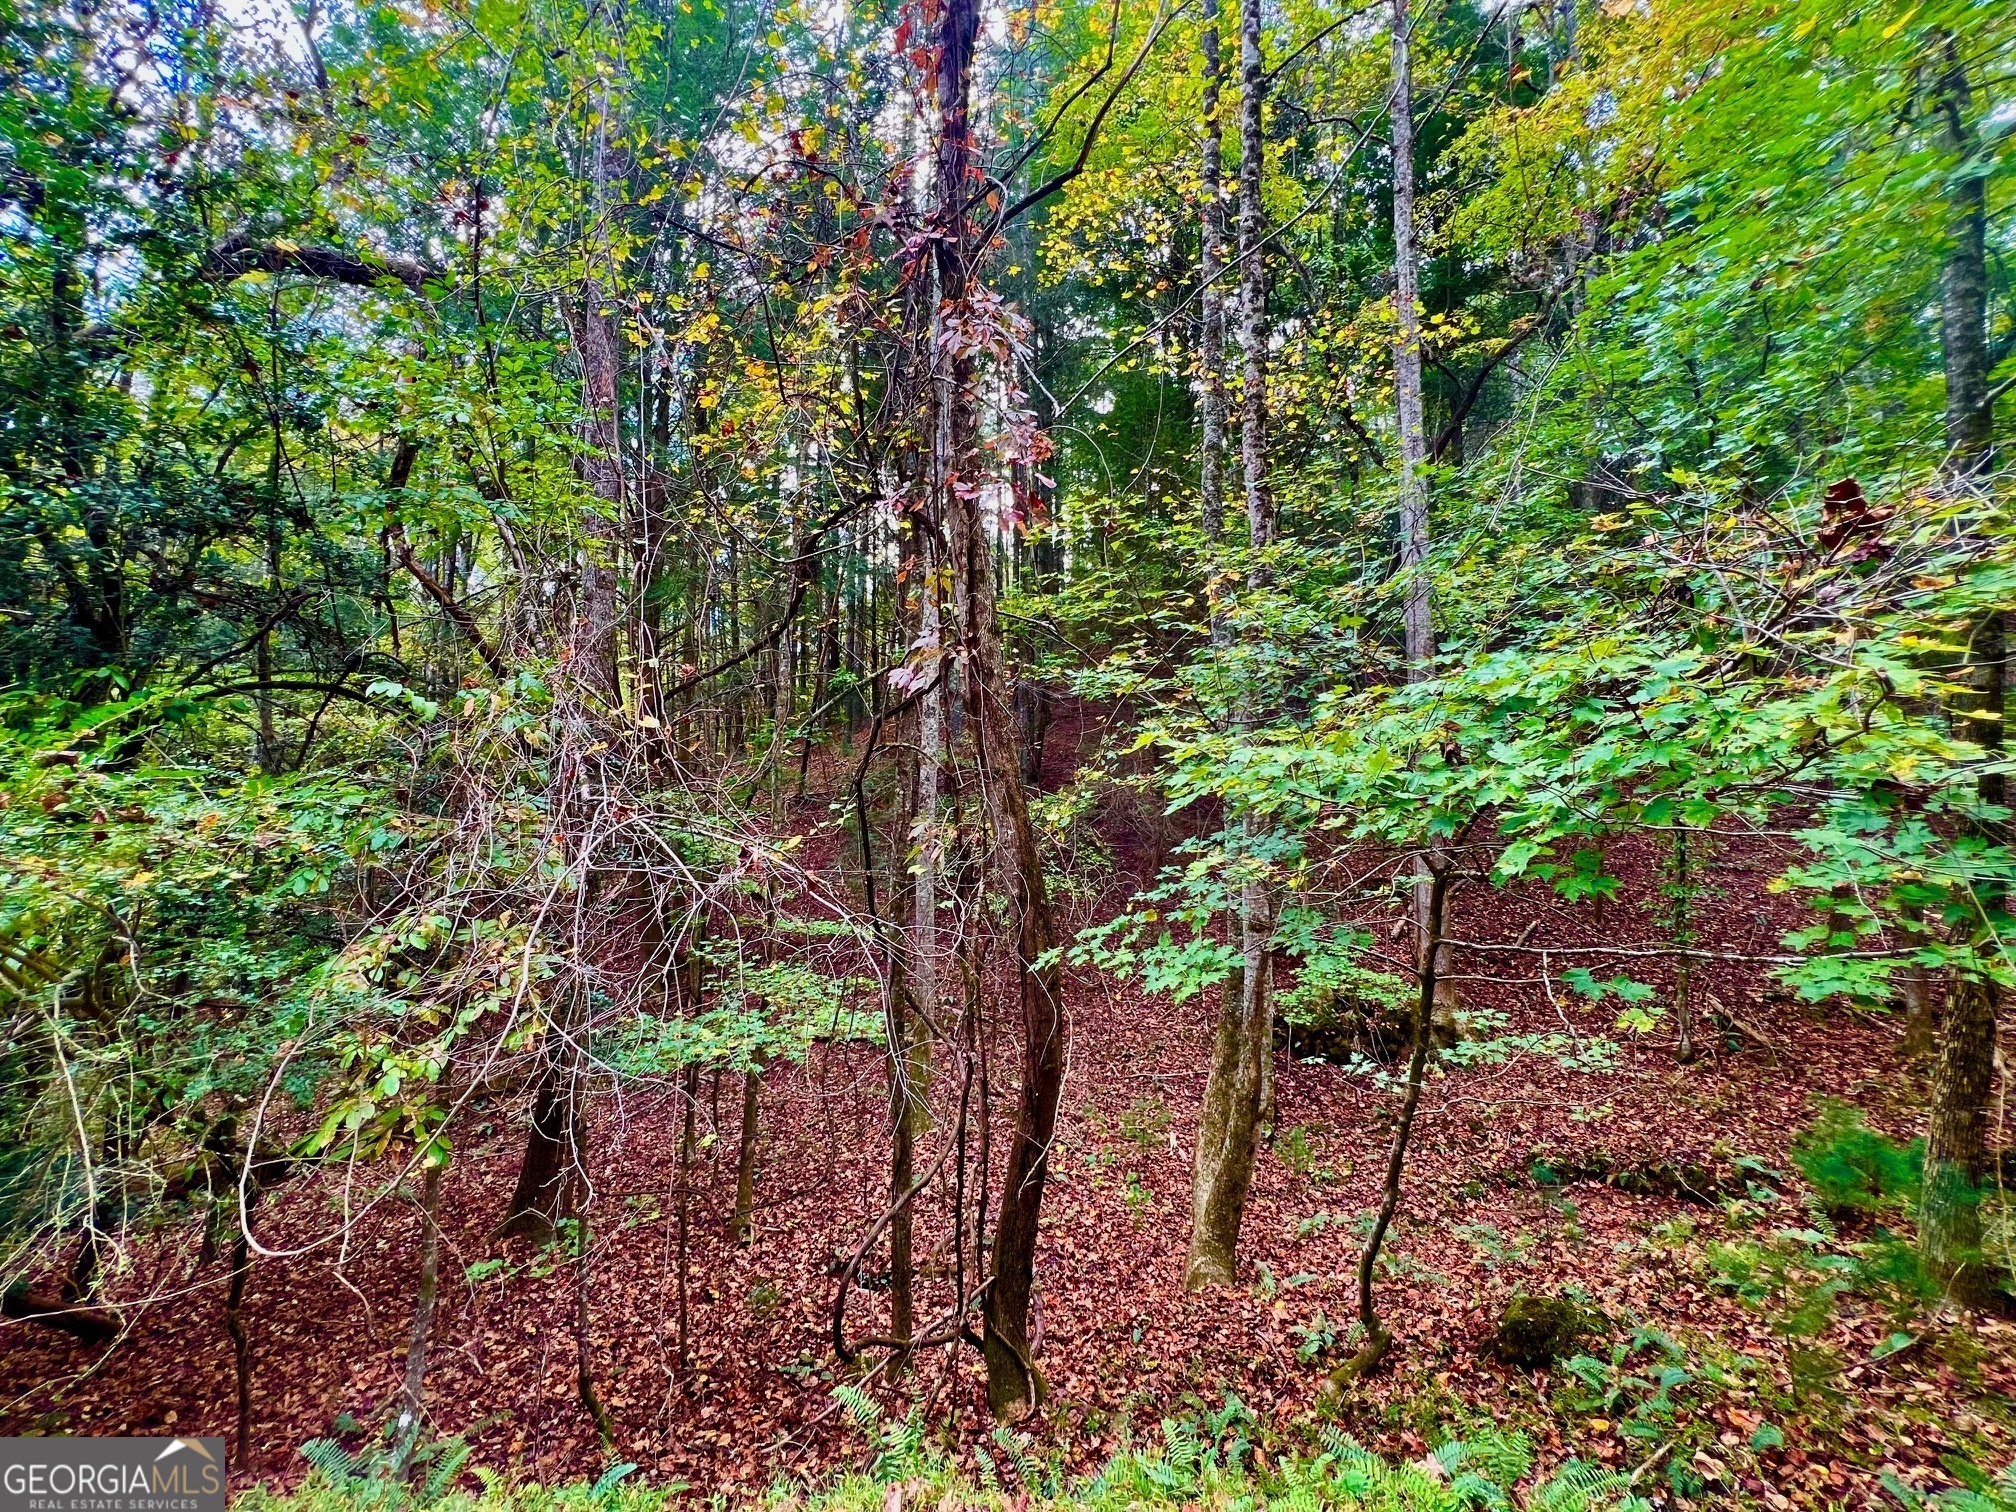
(1202, 1461)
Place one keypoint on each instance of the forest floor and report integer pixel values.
(1660, 1195)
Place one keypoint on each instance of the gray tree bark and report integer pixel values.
(1237, 1092)
(413, 1391)
(1963, 1077)
(1963, 278)
(1414, 536)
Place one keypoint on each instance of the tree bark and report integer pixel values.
(241, 1339)
(1956, 1144)
(1211, 339)
(594, 637)
(548, 1185)
(584, 1366)
(1237, 1091)
(690, 1102)
(1682, 884)
(913, 985)
(742, 1228)
(1963, 1079)
(1253, 284)
(1377, 1339)
(1414, 536)
(1228, 1125)
(1963, 280)
(413, 1392)
(1014, 1385)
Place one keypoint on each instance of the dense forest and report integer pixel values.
(1122, 752)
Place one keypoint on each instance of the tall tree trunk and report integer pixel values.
(1211, 298)
(593, 640)
(598, 608)
(914, 981)
(1377, 1339)
(742, 1228)
(548, 1184)
(1963, 279)
(785, 700)
(690, 1102)
(1014, 1386)
(241, 1338)
(1956, 1143)
(584, 1354)
(1957, 1159)
(413, 1392)
(1414, 538)
(1682, 921)
(1237, 1092)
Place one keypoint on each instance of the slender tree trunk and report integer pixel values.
(1963, 279)
(1256, 903)
(914, 987)
(742, 1229)
(241, 1339)
(1014, 1385)
(1683, 940)
(584, 1355)
(598, 608)
(785, 695)
(1420, 625)
(413, 1393)
(1253, 283)
(1963, 1078)
(902, 1176)
(1237, 1093)
(1211, 298)
(1228, 1125)
(1377, 1339)
(1957, 1160)
(690, 1099)
(1414, 537)
(593, 639)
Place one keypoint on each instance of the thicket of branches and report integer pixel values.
(543, 545)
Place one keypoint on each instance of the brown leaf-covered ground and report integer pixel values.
(1527, 1176)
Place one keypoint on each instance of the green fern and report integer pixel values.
(990, 1477)
(1580, 1486)
(1028, 1470)
(338, 1465)
(610, 1478)
(902, 1449)
(454, 1453)
(861, 1407)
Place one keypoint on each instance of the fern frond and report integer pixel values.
(861, 1407)
(337, 1464)
(609, 1478)
(989, 1476)
(452, 1455)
